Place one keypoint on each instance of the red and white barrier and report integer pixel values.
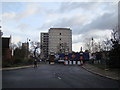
(74, 62)
(70, 62)
(78, 63)
(66, 62)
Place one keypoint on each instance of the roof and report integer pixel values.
(59, 28)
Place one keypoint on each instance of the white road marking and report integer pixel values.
(59, 78)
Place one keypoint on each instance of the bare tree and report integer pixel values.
(19, 45)
(93, 46)
(115, 34)
(115, 51)
(107, 44)
(34, 48)
(13, 46)
(88, 44)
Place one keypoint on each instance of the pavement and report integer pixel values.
(105, 73)
(19, 67)
(12, 68)
(102, 72)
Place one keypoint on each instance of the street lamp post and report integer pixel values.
(92, 45)
(81, 49)
(27, 46)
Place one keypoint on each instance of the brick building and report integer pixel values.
(6, 51)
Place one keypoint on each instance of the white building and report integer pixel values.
(60, 40)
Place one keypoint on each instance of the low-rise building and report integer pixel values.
(25, 47)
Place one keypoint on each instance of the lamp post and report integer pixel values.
(80, 49)
(92, 45)
(27, 46)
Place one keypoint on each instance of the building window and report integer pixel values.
(60, 38)
(60, 33)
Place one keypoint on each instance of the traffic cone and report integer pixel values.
(64, 62)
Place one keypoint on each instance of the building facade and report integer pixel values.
(44, 45)
(6, 51)
(60, 40)
(25, 47)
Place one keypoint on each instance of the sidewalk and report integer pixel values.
(12, 68)
(20, 67)
(106, 73)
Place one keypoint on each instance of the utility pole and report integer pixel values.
(81, 49)
(92, 45)
(27, 46)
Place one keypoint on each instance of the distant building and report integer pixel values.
(25, 47)
(44, 45)
(60, 40)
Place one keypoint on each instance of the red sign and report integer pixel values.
(81, 57)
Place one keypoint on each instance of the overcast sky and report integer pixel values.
(25, 20)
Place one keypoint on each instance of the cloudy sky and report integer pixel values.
(25, 20)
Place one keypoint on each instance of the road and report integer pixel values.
(55, 76)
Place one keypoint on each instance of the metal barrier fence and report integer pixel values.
(73, 62)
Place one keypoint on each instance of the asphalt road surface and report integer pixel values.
(55, 76)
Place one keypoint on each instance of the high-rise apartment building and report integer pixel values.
(60, 40)
(44, 44)
(57, 40)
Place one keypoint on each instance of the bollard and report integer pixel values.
(70, 62)
(51, 62)
(67, 62)
(74, 62)
(78, 62)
